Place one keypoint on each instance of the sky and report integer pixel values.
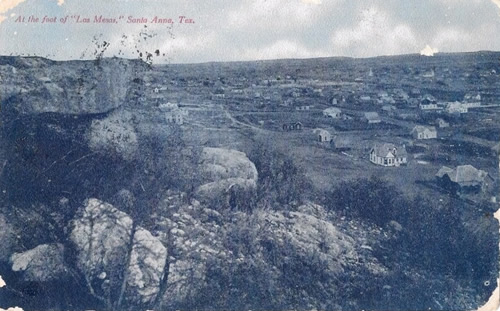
(234, 30)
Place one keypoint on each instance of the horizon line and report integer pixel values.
(256, 60)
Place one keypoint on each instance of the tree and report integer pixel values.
(281, 182)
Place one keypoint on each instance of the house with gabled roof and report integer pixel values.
(293, 126)
(424, 132)
(372, 117)
(322, 135)
(463, 178)
(332, 112)
(388, 154)
(456, 108)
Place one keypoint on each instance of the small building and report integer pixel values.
(385, 98)
(463, 178)
(388, 109)
(334, 113)
(387, 154)
(168, 106)
(322, 135)
(415, 92)
(175, 117)
(173, 114)
(441, 123)
(429, 106)
(342, 142)
(456, 107)
(400, 95)
(294, 126)
(471, 104)
(429, 74)
(424, 132)
(372, 117)
(428, 102)
(303, 108)
(219, 93)
(472, 98)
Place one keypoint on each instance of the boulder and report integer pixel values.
(40, 264)
(35, 85)
(220, 169)
(102, 236)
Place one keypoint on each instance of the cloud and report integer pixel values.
(6, 5)
(428, 51)
(375, 34)
(249, 29)
(2, 282)
(274, 14)
(311, 1)
(453, 39)
(281, 49)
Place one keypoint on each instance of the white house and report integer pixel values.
(472, 98)
(334, 113)
(388, 154)
(471, 105)
(168, 106)
(456, 107)
(372, 117)
(322, 135)
(429, 102)
(429, 106)
(424, 132)
(175, 117)
(173, 114)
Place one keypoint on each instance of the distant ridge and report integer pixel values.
(4, 59)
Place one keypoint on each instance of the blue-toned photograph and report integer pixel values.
(249, 155)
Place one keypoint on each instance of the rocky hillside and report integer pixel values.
(37, 85)
(105, 205)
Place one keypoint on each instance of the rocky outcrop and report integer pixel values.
(40, 264)
(35, 85)
(7, 238)
(309, 236)
(102, 236)
(220, 169)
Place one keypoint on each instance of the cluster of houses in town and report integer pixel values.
(347, 107)
(430, 103)
(463, 178)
